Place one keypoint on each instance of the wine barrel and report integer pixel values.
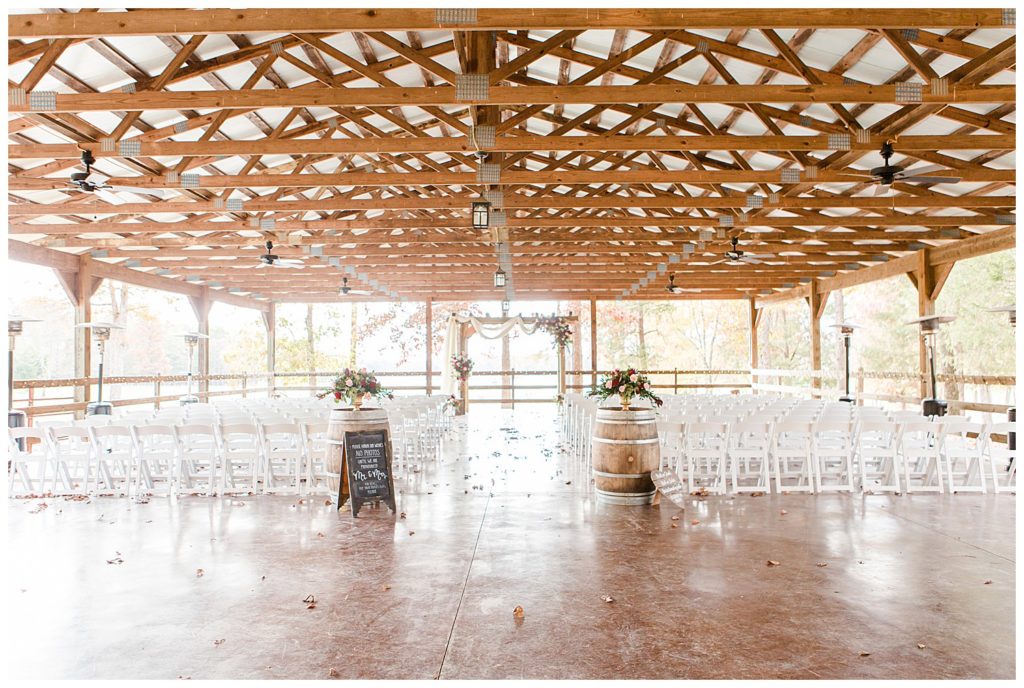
(348, 419)
(625, 450)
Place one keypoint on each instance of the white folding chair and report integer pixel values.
(157, 458)
(113, 453)
(791, 456)
(707, 450)
(962, 448)
(1002, 460)
(282, 457)
(920, 455)
(241, 456)
(832, 455)
(749, 450)
(30, 461)
(314, 444)
(876, 456)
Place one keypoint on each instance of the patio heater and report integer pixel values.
(929, 324)
(192, 340)
(101, 331)
(1011, 413)
(15, 418)
(846, 330)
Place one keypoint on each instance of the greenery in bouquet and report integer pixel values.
(627, 384)
(463, 366)
(558, 327)
(353, 385)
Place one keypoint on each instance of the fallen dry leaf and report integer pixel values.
(675, 525)
(783, 512)
(675, 518)
(988, 582)
(694, 522)
(328, 502)
(310, 602)
(218, 642)
(385, 588)
(320, 535)
(865, 654)
(757, 494)
(921, 646)
(302, 501)
(772, 562)
(199, 573)
(412, 532)
(401, 515)
(518, 613)
(608, 598)
(821, 564)
(116, 560)
(333, 673)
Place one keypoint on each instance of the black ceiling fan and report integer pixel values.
(89, 182)
(673, 289)
(737, 257)
(887, 174)
(270, 260)
(349, 291)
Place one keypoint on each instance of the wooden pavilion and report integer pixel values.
(613, 147)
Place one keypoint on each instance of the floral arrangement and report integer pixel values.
(353, 386)
(627, 384)
(558, 327)
(463, 366)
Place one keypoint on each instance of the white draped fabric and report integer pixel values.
(449, 382)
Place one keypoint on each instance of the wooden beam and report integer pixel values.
(27, 253)
(509, 96)
(514, 201)
(335, 20)
(515, 144)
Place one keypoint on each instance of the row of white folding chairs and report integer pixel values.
(840, 455)
(201, 458)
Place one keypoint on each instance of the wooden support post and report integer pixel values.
(428, 338)
(924, 279)
(201, 308)
(755, 322)
(270, 324)
(816, 301)
(80, 286)
(593, 342)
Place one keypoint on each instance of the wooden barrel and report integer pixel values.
(347, 419)
(625, 451)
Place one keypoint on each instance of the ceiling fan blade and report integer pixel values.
(288, 266)
(157, 193)
(858, 174)
(761, 256)
(927, 169)
(264, 265)
(109, 197)
(750, 260)
(719, 262)
(931, 180)
(882, 190)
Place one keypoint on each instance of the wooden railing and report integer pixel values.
(509, 387)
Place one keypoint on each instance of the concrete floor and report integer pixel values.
(915, 586)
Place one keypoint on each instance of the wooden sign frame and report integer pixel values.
(348, 480)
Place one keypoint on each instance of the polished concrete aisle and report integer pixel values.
(879, 586)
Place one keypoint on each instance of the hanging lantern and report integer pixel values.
(481, 214)
(499, 278)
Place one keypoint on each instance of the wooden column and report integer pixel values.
(816, 301)
(929, 280)
(593, 342)
(270, 324)
(201, 308)
(755, 322)
(428, 323)
(79, 286)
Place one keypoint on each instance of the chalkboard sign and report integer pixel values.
(368, 467)
(669, 485)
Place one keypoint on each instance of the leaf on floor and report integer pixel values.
(675, 518)
(921, 646)
(757, 494)
(783, 512)
(694, 522)
(333, 673)
(385, 588)
(199, 573)
(675, 525)
(518, 613)
(401, 515)
(412, 532)
(217, 643)
(821, 564)
(320, 535)
(116, 560)
(310, 602)
(988, 582)
(328, 502)
(772, 562)
(608, 598)
(865, 654)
